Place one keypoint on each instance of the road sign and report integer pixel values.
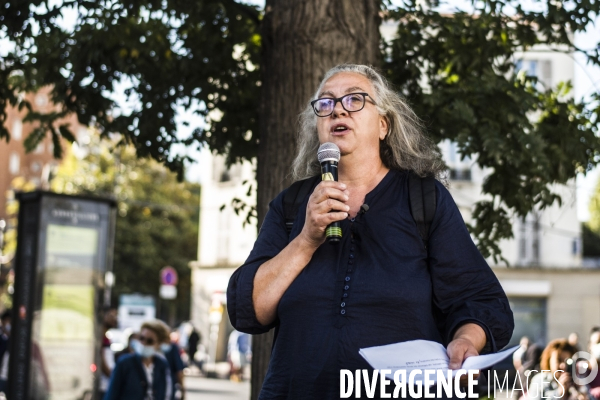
(168, 276)
(168, 292)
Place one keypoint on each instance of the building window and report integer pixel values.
(575, 247)
(522, 249)
(14, 163)
(529, 240)
(225, 177)
(529, 66)
(541, 69)
(460, 174)
(17, 130)
(223, 254)
(460, 168)
(530, 319)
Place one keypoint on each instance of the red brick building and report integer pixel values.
(34, 167)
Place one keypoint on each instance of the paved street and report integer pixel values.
(200, 388)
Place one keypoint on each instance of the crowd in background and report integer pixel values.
(557, 371)
(151, 366)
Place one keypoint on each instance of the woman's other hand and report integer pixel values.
(326, 204)
(468, 341)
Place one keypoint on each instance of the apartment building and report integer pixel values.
(16, 165)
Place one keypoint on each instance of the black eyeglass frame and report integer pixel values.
(339, 99)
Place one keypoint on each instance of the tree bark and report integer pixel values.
(301, 40)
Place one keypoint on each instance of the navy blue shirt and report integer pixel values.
(379, 285)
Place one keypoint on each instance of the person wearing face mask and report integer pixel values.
(555, 380)
(144, 374)
(131, 343)
(173, 356)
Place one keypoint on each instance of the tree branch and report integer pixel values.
(249, 11)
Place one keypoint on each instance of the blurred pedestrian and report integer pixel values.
(555, 379)
(594, 337)
(132, 341)
(531, 360)
(173, 356)
(107, 358)
(239, 354)
(145, 374)
(573, 339)
(5, 325)
(244, 342)
(192, 347)
(518, 355)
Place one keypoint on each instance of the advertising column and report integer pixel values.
(64, 249)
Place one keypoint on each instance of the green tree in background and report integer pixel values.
(249, 72)
(591, 241)
(157, 216)
(590, 230)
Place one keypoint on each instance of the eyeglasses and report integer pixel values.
(148, 340)
(351, 102)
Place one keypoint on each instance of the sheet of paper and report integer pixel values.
(424, 354)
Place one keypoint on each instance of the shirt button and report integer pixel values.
(347, 278)
(345, 295)
(352, 240)
(343, 312)
(343, 304)
(349, 270)
(350, 262)
(351, 248)
(351, 255)
(346, 287)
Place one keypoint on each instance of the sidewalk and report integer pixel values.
(200, 388)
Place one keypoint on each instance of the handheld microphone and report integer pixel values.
(329, 156)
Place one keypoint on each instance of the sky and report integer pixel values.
(586, 81)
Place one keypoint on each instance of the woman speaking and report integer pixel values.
(381, 283)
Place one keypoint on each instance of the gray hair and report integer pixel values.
(405, 147)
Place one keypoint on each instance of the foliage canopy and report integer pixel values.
(157, 216)
(457, 70)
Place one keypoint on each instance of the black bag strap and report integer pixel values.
(423, 202)
(293, 198)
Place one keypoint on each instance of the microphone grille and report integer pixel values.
(328, 152)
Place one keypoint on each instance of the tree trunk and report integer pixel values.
(301, 40)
